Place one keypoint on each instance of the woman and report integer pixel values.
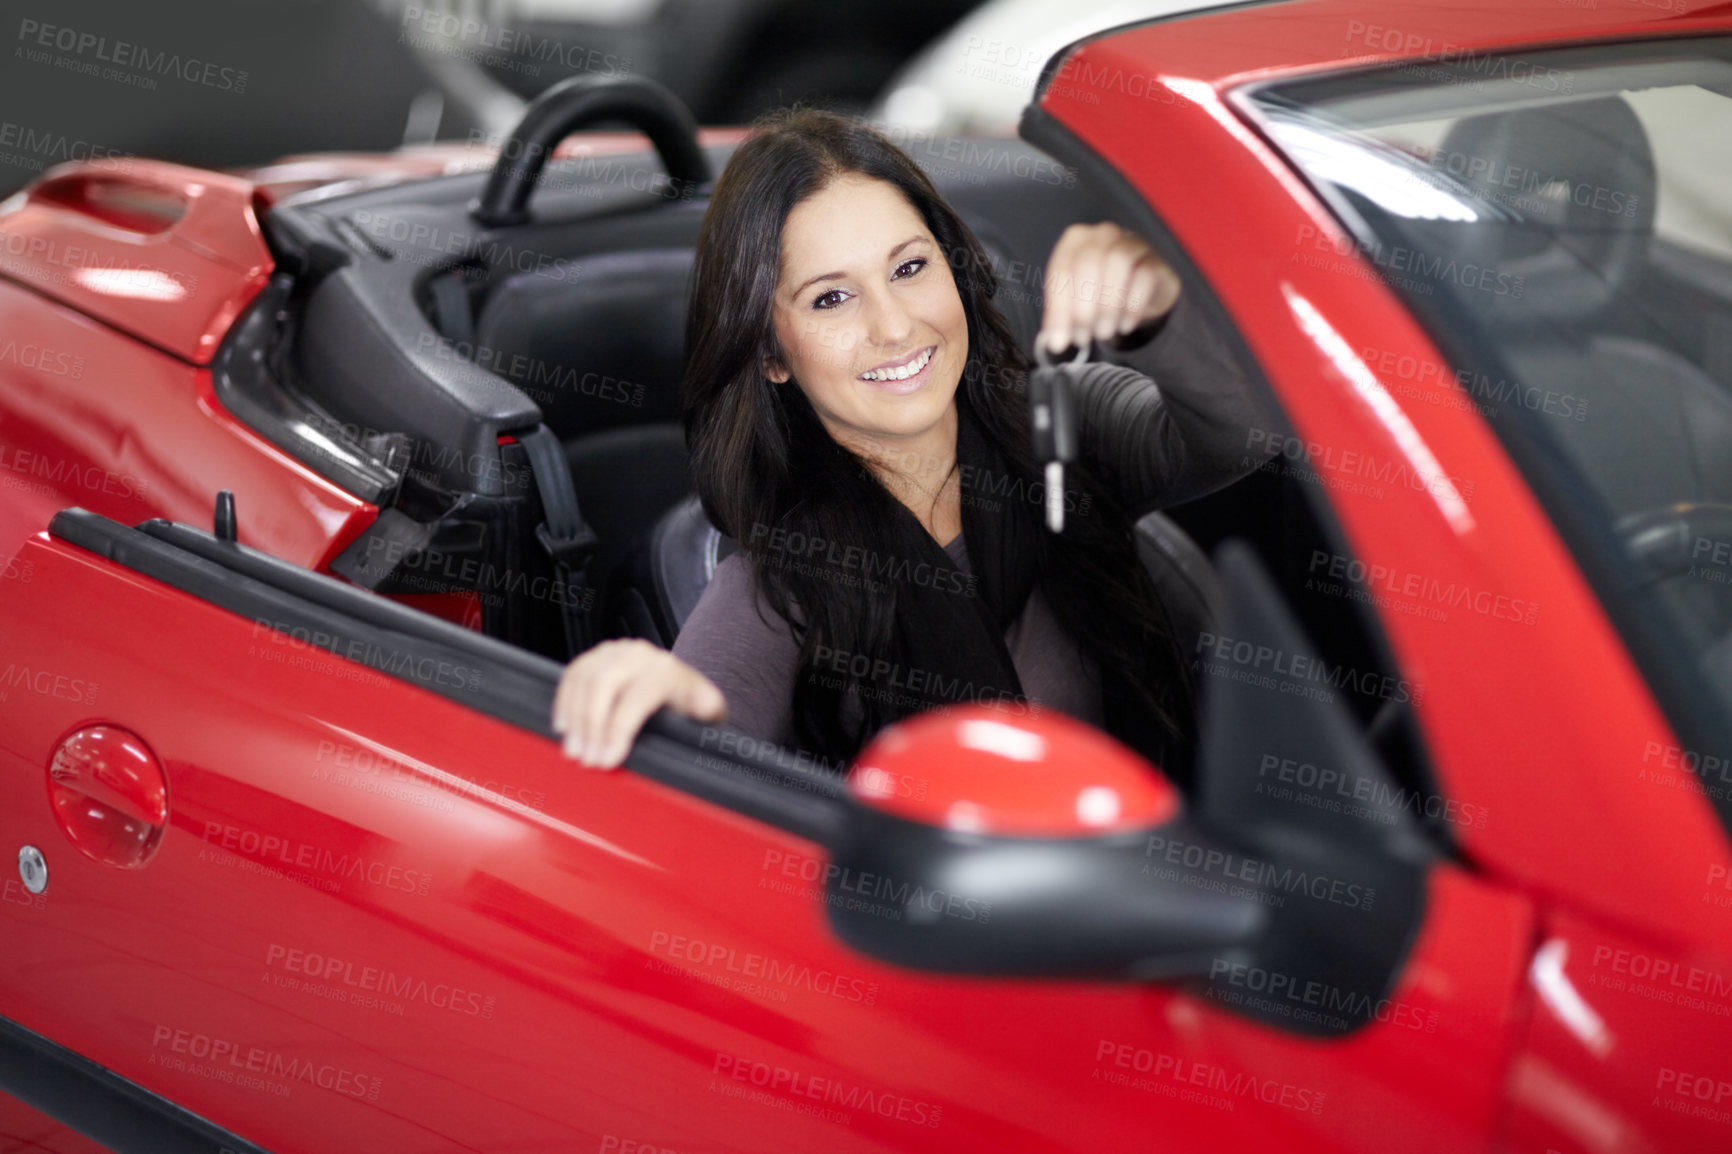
(857, 422)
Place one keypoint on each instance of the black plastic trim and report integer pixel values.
(573, 104)
(482, 673)
(246, 385)
(100, 1104)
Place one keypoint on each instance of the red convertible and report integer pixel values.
(313, 477)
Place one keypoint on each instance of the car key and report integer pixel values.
(1052, 423)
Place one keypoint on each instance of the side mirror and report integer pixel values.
(1039, 847)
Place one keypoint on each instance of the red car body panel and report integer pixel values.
(617, 951)
(432, 932)
(93, 418)
(166, 253)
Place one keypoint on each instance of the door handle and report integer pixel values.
(109, 795)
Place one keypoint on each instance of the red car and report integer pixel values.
(301, 867)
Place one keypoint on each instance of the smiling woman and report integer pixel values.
(858, 420)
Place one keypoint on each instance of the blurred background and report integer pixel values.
(238, 83)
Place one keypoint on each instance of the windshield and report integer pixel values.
(1562, 222)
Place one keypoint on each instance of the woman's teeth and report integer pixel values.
(899, 374)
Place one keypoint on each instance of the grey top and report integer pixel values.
(1152, 446)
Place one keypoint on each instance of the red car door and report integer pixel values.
(384, 913)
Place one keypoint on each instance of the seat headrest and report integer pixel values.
(1581, 178)
(599, 346)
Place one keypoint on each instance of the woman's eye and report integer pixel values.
(910, 267)
(830, 299)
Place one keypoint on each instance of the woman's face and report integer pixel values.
(867, 313)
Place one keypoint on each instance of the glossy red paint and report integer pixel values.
(107, 789)
(1000, 775)
(102, 421)
(427, 928)
(168, 254)
(1329, 335)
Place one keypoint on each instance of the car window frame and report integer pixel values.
(1125, 204)
(1582, 518)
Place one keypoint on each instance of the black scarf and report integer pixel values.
(948, 643)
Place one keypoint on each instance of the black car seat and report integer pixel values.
(663, 582)
(600, 348)
(1576, 244)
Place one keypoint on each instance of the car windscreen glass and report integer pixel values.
(1561, 221)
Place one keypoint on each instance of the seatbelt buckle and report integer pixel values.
(571, 553)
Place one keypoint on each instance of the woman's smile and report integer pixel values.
(904, 374)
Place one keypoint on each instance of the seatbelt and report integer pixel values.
(568, 540)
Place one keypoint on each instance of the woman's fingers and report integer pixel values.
(1101, 282)
(1055, 329)
(606, 695)
(638, 698)
(1112, 303)
(1085, 291)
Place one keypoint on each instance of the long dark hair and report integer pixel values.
(763, 460)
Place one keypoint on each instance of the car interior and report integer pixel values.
(1615, 297)
(407, 352)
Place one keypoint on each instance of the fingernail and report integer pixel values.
(574, 746)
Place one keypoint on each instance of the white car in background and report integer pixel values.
(975, 79)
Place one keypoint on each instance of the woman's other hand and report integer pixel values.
(608, 692)
(1103, 282)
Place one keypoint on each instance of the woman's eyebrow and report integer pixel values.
(839, 275)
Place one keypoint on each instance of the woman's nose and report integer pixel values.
(889, 323)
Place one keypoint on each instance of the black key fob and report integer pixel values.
(1052, 424)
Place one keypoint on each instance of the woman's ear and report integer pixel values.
(776, 371)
